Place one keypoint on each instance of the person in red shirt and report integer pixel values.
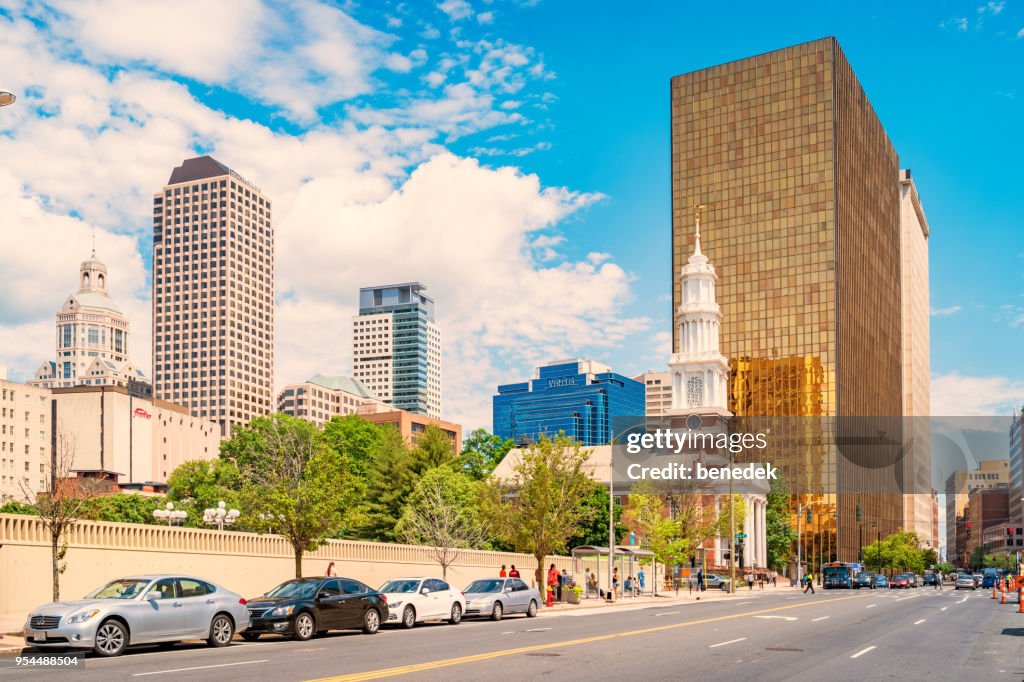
(514, 573)
(553, 579)
(503, 573)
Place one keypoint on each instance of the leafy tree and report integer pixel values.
(482, 451)
(434, 449)
(945, 567)
(594, 530)
(1003, 561)
(357, 439)
(645, 509)
(391, 480)
(779, 533)
(443, 512)
(929, 556)
(666, 539)
(541, 507)
(899, 552)
(293, 483)
(977, 558)
(197, 485)
(17, 508)
(122, 508)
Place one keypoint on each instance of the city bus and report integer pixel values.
(838, 575)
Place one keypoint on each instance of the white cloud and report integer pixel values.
(1020, 33)
(943, 312)
(992, 8)
(954, 394)
(954, 24)
(485, 18)
(456, 10)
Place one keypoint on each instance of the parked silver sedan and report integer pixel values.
(145, 609)
(494, 597)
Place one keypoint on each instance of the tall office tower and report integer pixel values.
(1017, 467)
(917, 436)
(801, 185)
(396, 347)
(213, 294)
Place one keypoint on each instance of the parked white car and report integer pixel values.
(146, 609)
(415, 600)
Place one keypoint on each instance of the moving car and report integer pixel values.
(901, 581)
(712, 580)
(991, 576)
(494, 597)
(978, 578)
(966, 582)
(915, 579)
(142, 609)
(304, 607)
(881, 581)
(864, 579)
(414, 600)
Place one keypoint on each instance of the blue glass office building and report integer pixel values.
(577, 397)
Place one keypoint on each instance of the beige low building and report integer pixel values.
(24, 440)
(320, 398)
(657, 392)
(141, 440)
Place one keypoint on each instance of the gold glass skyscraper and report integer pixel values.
(802, 220)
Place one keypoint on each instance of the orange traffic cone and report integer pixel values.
(993, 590)
(1003, 601)
(1020, 600)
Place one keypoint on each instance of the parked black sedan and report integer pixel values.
(305, 607)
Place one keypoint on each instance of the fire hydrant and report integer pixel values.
(551, 596)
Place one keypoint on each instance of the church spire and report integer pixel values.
(696, 222)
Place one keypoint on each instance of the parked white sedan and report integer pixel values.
(414, 600)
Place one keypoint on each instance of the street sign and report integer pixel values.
(741, 536)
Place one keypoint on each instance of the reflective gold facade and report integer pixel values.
(803, 224)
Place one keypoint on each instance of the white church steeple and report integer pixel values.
(700, 373)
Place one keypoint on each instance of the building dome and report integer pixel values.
(93, 275)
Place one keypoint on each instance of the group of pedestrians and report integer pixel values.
(514, 573)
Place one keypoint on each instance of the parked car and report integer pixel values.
(965, 582)
(712, 580)
(914, 579)
(931, 578)
(494, 597)
(864, 579)
(414, 600)
(143, 609)
(881, 581)
(901, 581)
(304, 607)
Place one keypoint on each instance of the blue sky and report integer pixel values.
(529, 138)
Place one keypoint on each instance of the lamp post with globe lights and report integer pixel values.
(220, 516)
(174, 517)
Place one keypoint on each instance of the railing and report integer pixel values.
(20, 529)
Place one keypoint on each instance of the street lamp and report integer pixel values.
(6, 98)
(220, 516)
(174, 517)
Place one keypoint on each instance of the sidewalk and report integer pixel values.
(667, 598)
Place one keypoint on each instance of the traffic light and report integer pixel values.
(860, 514)
(808, 515)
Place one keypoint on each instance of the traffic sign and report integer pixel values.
(741, 536)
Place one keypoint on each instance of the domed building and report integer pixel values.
(92, 345)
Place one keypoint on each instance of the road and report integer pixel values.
(785, 635)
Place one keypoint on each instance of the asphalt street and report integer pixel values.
(837, 635)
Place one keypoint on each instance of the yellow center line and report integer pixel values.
(433, 665)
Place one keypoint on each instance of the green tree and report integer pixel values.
(901, 551)
(1003, 561)
(779, 533)
(199, 484)
(357, 439)
(541, 507)
(977, 558)
(17, 508)
(945, 567)
(122, 508)
(644, 509)
(443, 512)
(293, 483)
(433, 449)
(594, 530)
(482, 451)
(391, 480)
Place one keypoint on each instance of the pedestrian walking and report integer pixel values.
(330, 572)
(750, 581)
(513, 572)
(809, 583)
(700, 580)
(938, 580)
(503, 573)
(760, 580)
(615, 581)
(640, 577)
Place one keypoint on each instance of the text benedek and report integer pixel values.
(700, 472)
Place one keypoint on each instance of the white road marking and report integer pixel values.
(943, 608)
(510, 632)
(777, 617)
(200, 667)
(910, 597)
(815, 620)
(731, 641)
(918, 622)
(744, 602)
(871, 606)
(962, 600)
(538, 629)
(667, 613)
(862, 652)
